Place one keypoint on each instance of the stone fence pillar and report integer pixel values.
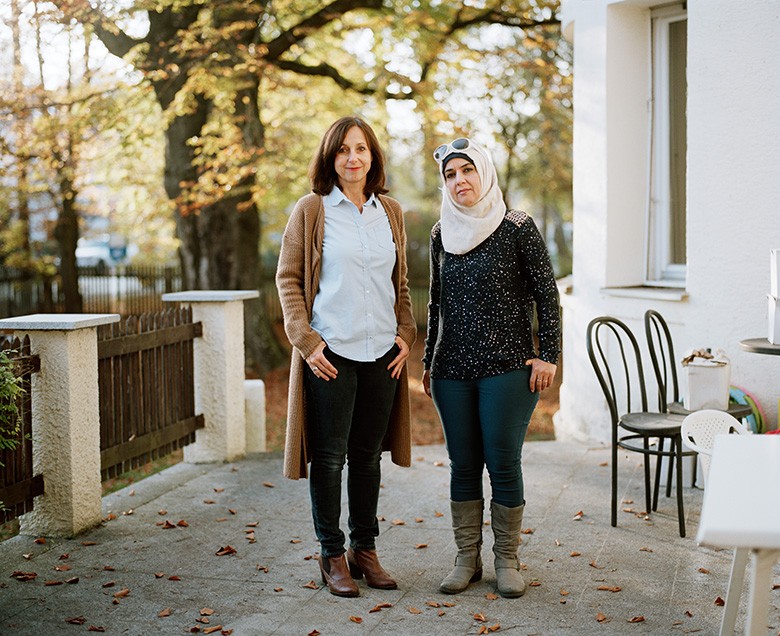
(219, 373)
(66, 421)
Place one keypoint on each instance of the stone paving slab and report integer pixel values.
(272, 586)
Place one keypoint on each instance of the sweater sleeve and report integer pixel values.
(290, 274)
(434, 296)
(544, 290)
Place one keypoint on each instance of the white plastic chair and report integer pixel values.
(699, 429)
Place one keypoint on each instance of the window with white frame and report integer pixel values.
(666, 257)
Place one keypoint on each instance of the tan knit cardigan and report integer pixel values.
(297, 277)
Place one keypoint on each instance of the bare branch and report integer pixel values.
(308, 26)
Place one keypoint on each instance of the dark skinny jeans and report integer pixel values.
(348, 420)
(485, 422)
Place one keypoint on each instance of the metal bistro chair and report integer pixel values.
(661, 347)
(622, 380)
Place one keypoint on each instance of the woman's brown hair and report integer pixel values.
(322, 170)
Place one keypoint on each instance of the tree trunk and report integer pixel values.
(67, 233)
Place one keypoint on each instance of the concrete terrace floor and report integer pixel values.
(134, 576)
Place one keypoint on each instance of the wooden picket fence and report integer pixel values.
(18, 485)
(146, 387)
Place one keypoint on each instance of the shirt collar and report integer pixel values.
(336, 196)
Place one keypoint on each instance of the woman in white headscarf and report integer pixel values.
(489, 269)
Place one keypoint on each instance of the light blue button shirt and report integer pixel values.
(354, 309)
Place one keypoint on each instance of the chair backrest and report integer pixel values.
(614, 354)
(700, 428)
(659, 343)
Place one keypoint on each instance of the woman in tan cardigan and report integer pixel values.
(348, 314)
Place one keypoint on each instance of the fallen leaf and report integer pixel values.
(575, 554)
(72, 580)
(312, 585)
(494, 628)
(168, 525)
(174, 577)
(162, 513)
(182, 523)
(381, 518)
(131, 493)
(268, 484)
(608, 588)
(128, 512)
(203, 620)
(122, 593)
(720, 602)
(419, 520)
(601, 617)
(448, 604)
(295, 540)
(211, 630)
(578, 515)
(165, 612)
(96, 628)
(441, 613)
(398, 522)
(704, 570)
(313, 632)
(438, 514)
(689, 614)
(109, 517)
(76, 620)
(209, 501)
(482, 629)
(604, 464)
(534, 584)
(644, 549)
(64, 556)
(219, 490)
(50, 583)
(24, 576)
(637, 619)
(63, 568)
(414, 610)
(228, 549)
(231, 511)
(40, 540)
(356, 619)
(563, 592)
(628, 501)
(159, 575)
(432, 604)
(86, 544)
(379, 607)
(220, 519)
(207, 611)
(252, 524)
(420, 546)
(558, 543)
(27, 556)
(479, 617)
(490, 596)
(109, 584)
(278, 589)
(438, 463)
(593, 564)
(263, 568)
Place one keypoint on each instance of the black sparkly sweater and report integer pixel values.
(480, 312)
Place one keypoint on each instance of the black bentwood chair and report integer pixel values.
(661, 347)
(617, 361)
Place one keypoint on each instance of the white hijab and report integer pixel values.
(463, 228)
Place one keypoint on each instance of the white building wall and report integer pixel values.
(733, 190)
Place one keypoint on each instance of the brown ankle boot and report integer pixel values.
(366, 562)
(335, 574)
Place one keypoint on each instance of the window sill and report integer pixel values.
(652, 293)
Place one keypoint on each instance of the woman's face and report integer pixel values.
(463, 181)
(353, 159)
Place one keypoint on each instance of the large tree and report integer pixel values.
(208, 63)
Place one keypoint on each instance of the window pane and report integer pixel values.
(677, 140)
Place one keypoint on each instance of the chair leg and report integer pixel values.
(671, 467)
(661, 443)
(614, 482)
(646, 462)
(677, 445)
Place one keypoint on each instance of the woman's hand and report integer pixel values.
(320, 365)
(397, 365)
(542, 374)
(426, 382)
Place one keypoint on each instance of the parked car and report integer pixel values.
(101, 254)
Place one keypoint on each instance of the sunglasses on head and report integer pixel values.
(445, 149)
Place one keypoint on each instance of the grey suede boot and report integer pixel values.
(506, 529)
(467, 525)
